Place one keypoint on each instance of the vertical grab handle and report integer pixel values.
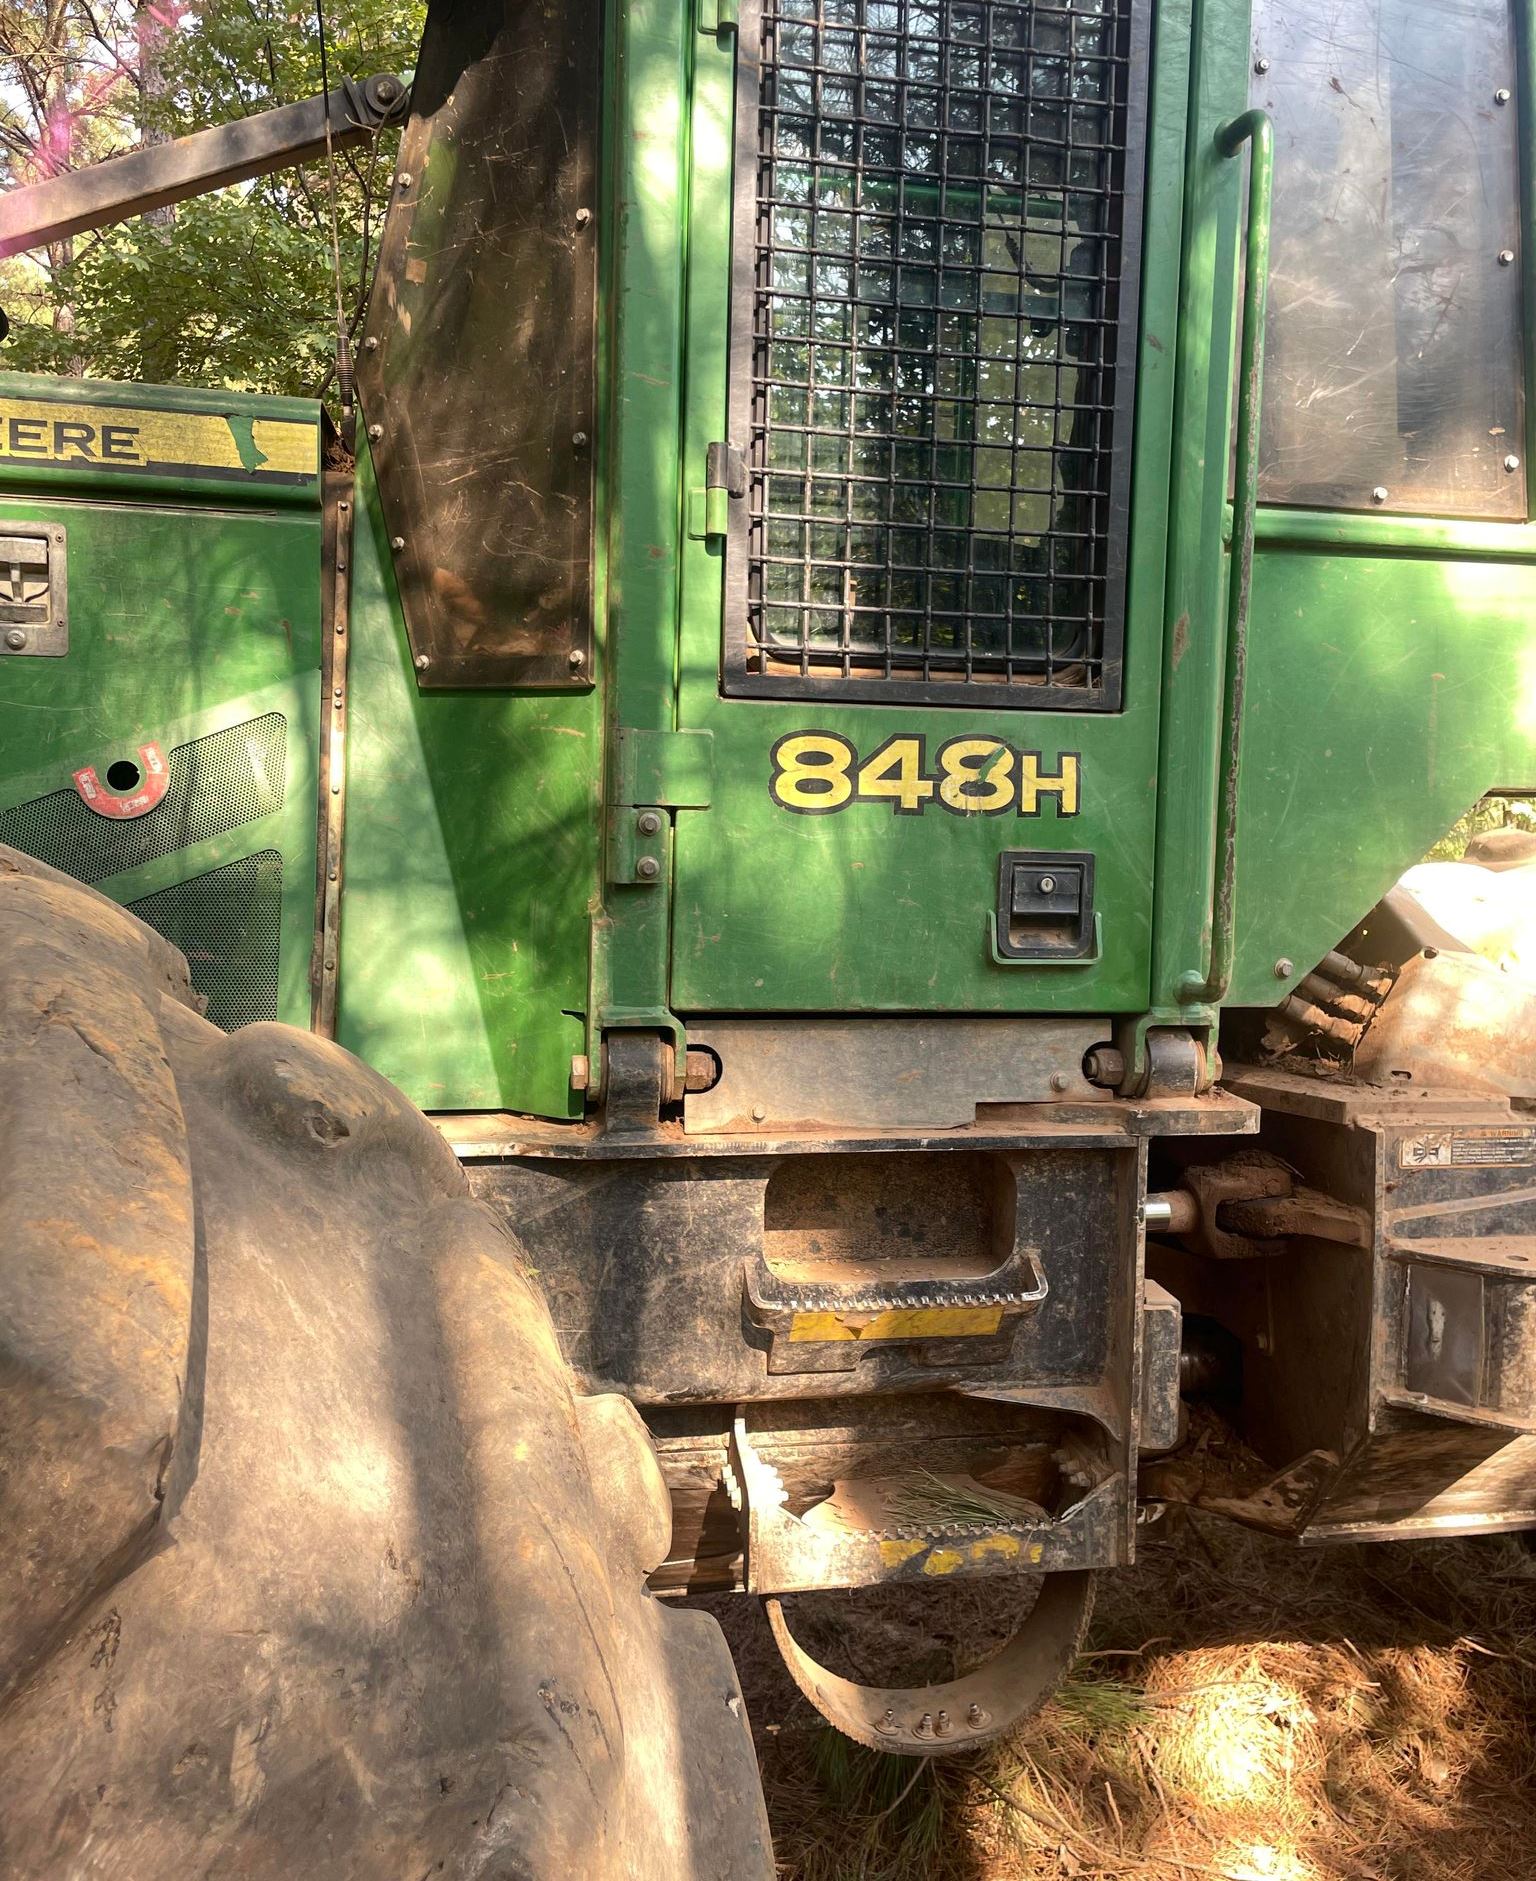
(1254, 128)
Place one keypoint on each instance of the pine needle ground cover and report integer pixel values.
(1245, 1710)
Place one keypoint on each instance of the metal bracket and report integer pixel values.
(34, 601)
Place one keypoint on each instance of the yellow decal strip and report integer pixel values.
(900, 1322)
(132, 437)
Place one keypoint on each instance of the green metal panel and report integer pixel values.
(1387, 693)
(186, 617)
(863, 909)
(470, 870)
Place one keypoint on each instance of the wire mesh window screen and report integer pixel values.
(937, 222)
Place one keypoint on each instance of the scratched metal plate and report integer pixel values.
(478, 372)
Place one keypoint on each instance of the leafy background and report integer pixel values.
(231, 289)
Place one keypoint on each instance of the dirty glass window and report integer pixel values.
(1393, 375)
(933, 355)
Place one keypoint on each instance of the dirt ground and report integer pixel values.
(1245, 1710)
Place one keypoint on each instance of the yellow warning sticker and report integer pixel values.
(164, 443)
(898, 1322)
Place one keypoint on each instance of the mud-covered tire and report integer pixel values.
(310, 1561)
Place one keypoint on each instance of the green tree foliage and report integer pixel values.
(232, 289)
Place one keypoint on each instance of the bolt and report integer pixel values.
(1501, 96)
(1047, 884)
(16, 639)
(423, 661)
(1511, 462)
(975, 1717)
(1380, 493)
(583, 217)
(1284, 968)
(333, 875)
(576, 659)
(397, 543)
(1058, 1080)
(1506, 257)
(647, 868)
(1104, 1066)
(1261, 1340)
(647, 822)
(375, 432)
(578, 438)
(336, 695)
(406, 179)
(581, 1072)
(758, 1113)
(925, 1724)
(371, 344)
(1261, 65)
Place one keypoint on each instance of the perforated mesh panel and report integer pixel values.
(215, 784)
(943, 281)
(228, 923)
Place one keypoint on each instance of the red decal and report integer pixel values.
(153, 782)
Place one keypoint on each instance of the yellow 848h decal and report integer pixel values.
(816, 773)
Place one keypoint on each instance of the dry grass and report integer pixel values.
(1246, 1710)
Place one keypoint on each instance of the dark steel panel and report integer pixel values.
(935, 288)
(478, 364)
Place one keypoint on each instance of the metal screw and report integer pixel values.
(1047, 884)
(576, 658)
(1058, 1080)
(1506, 257)
(1261, 65)
(647, 822)
(1380, 493)
(578, 438)
(397, 543)
(423, 661)
(1261, 1340)
(583, 217)
(758, 1113)
(1501, 96)
(1284, 968)
(16, 639)
(375, 432)
(371, 344)
(406, 179)
(1511, 462)
(647, 868)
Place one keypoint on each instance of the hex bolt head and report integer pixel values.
(1380, 493)
(1261, 65)
(371, 344)
(647, 868)
(1502, 95)
(406, 179)
(576, 659)
(1511, 462)
(1058, 1080)
(1506, 257)
(1284, 968)
(16, 638)
(648, 822)
(758, 1113)
(375, 432)
(581, 1072)
(583, 217)
(578, 438)
(423, 661)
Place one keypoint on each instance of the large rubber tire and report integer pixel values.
(310, 1562)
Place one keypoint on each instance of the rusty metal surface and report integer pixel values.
(478, 365)
(159, 174)
(312, 1562)
(1453, 1020)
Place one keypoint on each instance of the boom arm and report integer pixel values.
(192, 166)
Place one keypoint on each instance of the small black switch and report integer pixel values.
(1044, 905)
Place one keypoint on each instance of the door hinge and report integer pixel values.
(719, 16)
(725, 477)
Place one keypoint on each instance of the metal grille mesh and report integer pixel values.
(228, 923)
(939, 191)
(214, 784)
